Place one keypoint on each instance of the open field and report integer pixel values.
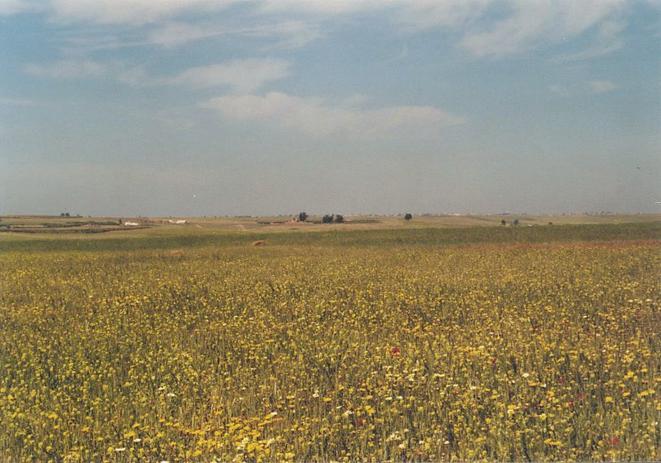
(380, 342)
(94, 225)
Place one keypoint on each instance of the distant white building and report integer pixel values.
(131, 224)
(178, 222)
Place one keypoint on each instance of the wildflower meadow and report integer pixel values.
(341, 347)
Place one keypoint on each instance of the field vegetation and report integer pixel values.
(424, 344)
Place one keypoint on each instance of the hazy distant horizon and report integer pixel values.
(345, 214)
(258, 107)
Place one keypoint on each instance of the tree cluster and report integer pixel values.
(332, 218)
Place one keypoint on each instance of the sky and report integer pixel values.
(261, 107)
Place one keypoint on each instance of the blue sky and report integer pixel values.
(255, 107)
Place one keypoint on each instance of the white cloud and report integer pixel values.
(492, 28)
(67, 69)
(423, 14)
(243, 76)
(287, 34)
(9, 7)
(315, 117)
(129, 11)
(560, 90)
(174, 34)
(486, 28)
(240, 76)
(601, 86)
(540, 22)
(135, 76)
(325, 6)
(290, 34)
(5, 101)
(607, 39)
(581, 88)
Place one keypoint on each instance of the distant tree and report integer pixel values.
(408, 216)
(516, 222)
(339, 218)
(328, 218)
(550, 223)
(302, 216)
(503, 222)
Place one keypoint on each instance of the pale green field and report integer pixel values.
(53, 224)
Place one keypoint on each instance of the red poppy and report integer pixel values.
(395, 351)
(614, 441)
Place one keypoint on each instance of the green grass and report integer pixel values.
(185, 238)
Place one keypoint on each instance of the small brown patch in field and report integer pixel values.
(259, 243)
(177, 252)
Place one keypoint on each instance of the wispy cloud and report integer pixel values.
(7, 101)
(425, 14)
(9, 7)
(560, 90)
(492, 28)
(582, 88)
(239, 76)
(316, 117)
(533, 23)
(484, 28)
(68, 69)
(601, 86)
(287, 34)
(334, 7)
(81, 68)
(606, 40)
(242, 76)
(134, 12)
